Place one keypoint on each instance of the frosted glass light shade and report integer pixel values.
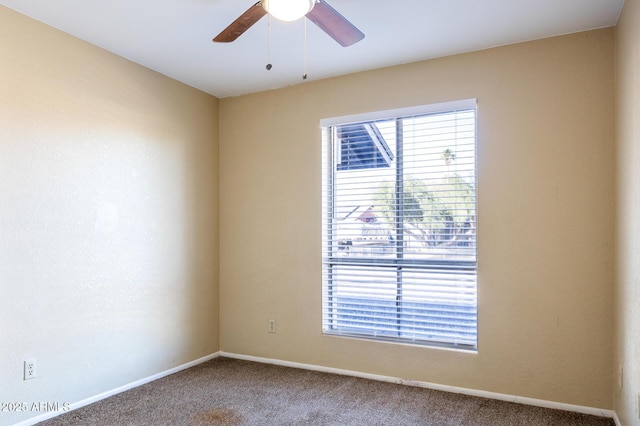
(288, 10)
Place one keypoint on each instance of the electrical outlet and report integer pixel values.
(272, 326)
(29, 368)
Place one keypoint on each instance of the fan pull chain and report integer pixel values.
(269, 66)
(304, 76)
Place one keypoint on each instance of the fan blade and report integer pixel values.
(334, 24)
(242, 24)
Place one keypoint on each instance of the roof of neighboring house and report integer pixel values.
(362, 146)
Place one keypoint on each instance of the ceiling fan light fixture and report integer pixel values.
(288, 10)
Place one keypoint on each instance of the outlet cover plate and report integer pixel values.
(29, 368)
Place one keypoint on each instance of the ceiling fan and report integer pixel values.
(317, 11)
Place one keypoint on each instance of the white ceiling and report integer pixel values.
(173, 37)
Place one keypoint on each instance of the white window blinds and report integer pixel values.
(399, 227)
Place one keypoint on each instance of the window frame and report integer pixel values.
(398, 263)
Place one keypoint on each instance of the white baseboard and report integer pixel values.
(616, 419)
(107, 394)
(453, 389)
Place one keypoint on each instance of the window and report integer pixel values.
(399, 226)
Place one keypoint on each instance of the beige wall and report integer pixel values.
(546, 218)
(108, 218)
(627, 304)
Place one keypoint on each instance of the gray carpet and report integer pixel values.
(232, 392)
